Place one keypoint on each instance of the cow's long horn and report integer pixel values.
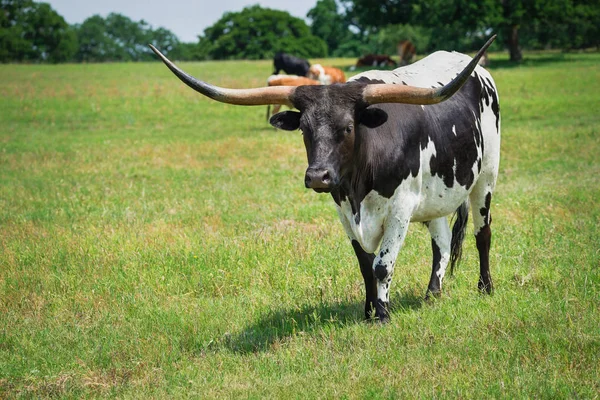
(242, 97)
(393, 93)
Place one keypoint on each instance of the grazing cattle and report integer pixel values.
(484, 61)
(375, 60)
(290, 64)
(407, 52)
(416, 144)
(287, 80)
(326, 75)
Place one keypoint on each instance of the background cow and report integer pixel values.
(287, 80)
(394, 147)
(484, 61)
(407, 52)
(290, 64)
(326, 75)
(375, 60)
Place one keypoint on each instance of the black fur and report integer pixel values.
(461, 217)
(290, 64)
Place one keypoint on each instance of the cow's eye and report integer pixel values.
(349, 129)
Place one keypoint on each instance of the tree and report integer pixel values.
(431, 24)
(583, 26)
(118, 38)
(34, 32)
(566, 24)
(328, 24)
(375, 14)
(462, 25)
(258, 33)
(165, 40)
(186, 52)
(94, 44)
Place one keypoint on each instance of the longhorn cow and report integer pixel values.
(416, 144)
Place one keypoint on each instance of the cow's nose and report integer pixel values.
(317, 179)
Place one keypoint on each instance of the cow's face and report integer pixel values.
(329, 123)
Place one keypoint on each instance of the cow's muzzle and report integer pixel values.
(319, 179)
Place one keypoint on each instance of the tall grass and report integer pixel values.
(157, 244)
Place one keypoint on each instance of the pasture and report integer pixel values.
(154, 243)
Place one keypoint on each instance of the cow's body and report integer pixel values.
(393, 147)
(421, 165)
(290, 64)
(326, 75)
(438, 157)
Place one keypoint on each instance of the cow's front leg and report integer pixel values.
(383, 266)
(365, 261)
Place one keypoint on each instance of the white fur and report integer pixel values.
(319, 74)
(441, 66)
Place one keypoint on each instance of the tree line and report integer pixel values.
(34, 32)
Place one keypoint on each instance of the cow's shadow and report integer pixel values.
(279, 325)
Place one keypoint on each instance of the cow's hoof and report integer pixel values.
(384, 319)
(382, 312)
(432, 295)
(485, 287)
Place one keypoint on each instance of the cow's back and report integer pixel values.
(441, 66)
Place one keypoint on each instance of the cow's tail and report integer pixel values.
(461, 217)
(268, 111)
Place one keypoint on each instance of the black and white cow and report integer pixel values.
(393, 147)
(290, 64)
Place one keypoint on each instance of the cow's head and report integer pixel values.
(327, 118)
(328, 115)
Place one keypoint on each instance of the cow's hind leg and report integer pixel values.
(440, 244)
(365, 261)
(481, 199)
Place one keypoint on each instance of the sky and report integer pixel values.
(185, 18)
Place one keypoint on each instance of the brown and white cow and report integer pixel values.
(375, 60)
(287, 80)
(407, 52)
(326, 75)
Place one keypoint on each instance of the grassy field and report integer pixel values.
(156, 244)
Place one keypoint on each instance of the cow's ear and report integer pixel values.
(286, 120)
(373, 117)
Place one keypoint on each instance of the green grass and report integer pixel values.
(158, 244)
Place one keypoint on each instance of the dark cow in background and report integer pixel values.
(290, 64)
(375, 60)
(407, 52)
(393, 147)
